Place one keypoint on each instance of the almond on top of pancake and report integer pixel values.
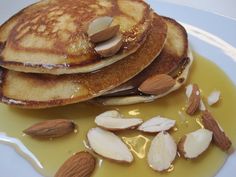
(51, 35)
(41, 91)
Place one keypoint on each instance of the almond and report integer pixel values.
(194, 100)
(51, 128)
(108, 145)
(105, 34)
(157, 124)
(219, 137)
(99, 24)
(162, 152)
(202, 106)
(195, 143)
(82, 164)
(113, 120)
(213, 97)
(109, 47)
(157, 84)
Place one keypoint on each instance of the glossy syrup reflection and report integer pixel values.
(13, 121)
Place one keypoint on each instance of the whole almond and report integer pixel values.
(219, 137)
(51, 128)
(82, 164)
(194, 100)
(157, 84)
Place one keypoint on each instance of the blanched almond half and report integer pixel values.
(105, 34)
(157, 84)
(157, 124)
(213, 97)
(99, 24)
(109, 47)
(195, 143)
(108, 145)
(202, 106)
(162, 152)
(112, 120)
(189, 90)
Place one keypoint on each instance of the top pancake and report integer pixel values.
(50, 36)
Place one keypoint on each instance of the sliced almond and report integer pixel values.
(112, 120)
(99, 24)
(51, 128)
(157, 124)
(202, 106)
(189, 90)
(213, 97)
(109, 47)
(105, 34)
(219, 137)
(157, 84)
(82, 164)
(162, 152)
(194, 100)
(195, 143)
(108, 145)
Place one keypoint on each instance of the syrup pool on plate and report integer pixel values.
(51, 154)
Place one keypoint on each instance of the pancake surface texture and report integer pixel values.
(51, 35)
(42, 91)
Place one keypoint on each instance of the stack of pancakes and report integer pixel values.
(48, 59)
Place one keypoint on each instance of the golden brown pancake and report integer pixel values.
(175, 60)
(51, 35)
(172, 57)
(41, 91)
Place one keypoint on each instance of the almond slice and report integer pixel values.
(194, 99)
(108, 145)
(195, 143)
(157, 124)
(109, 47)
(189, 90)
(105, 34)
(157, 84)
(219, 137)
(162, 152)
(81, 164)
(213, 97)
(99, 24)
(112, 120)
(51, 128)
(202, 106)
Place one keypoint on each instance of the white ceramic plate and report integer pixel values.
(211, 35)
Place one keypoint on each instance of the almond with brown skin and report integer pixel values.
(51, 128)
(157, 84)
(82, 164)
(194, 100)
(219, 137)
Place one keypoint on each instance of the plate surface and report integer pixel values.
(210, 35)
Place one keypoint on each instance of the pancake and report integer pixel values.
(51, 35)
(41, 91)
(174, 60)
